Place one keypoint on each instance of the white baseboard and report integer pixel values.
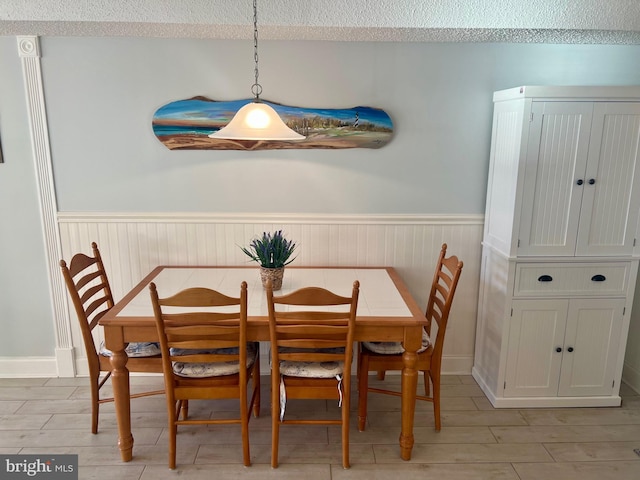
(28, 367)
(456, 365)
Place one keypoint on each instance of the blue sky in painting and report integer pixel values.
(198, 110)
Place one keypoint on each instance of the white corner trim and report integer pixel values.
(29, 52)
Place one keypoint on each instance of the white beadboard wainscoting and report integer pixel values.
(133, 244)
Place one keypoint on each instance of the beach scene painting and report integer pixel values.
(186, 125)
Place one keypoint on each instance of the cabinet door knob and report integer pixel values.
(570, 349)
(580, 181)
(558, 349)
(545, 278)
(598, 278)
(592, 181)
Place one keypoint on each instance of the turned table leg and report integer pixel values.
(409, 387)
(120, 382)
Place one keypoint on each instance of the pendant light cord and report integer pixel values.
(256, 88)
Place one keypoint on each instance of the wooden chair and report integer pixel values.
(89, 289)
(205, 355)
(383, 356)
(311, 355)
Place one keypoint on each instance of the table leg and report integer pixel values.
(409, 387)
(120, 382)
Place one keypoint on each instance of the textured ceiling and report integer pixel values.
(528, 21)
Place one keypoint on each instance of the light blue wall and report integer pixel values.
(101, 94)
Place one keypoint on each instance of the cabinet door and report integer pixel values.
(611, 195)
(554, 177)
(591, 344)
(536, 332)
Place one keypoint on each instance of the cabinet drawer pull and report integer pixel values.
(558, 349)
(598, 278)
(545, 278)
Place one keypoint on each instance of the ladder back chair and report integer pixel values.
(384, 356)
(90, 293)
(311, 332)
(205, 355)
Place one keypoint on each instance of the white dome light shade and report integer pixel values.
(256, 121)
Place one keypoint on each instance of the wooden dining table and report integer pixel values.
(386, 312)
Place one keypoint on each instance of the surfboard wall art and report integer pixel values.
(186, 124)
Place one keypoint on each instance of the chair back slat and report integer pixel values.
(311, 330)
(81, 262)
(91, 292)
(323, 341)
(312, 317)
(203, 340)
(88, 277)
(96, 319)
(205, 358)
(92, 309)
(311, 357)
(313, 296)
(200, 318)
(199, 297)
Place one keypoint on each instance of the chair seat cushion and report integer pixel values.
(292, 368)
(213, 369)
(135, 349)
(395, 348)
(311, 369)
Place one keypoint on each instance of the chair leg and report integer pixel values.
(255, 380)
(275, 419)
(381, 374)
(363, 386)
(184, 409)
(346, 406)
(173, 431)
(244, 419)
(436, 400)
(427, 389)
(95, 403)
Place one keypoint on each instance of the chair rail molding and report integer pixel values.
(29, 52)
(132, 244)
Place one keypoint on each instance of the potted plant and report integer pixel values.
(272, 252)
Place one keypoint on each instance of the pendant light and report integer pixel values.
(256, 120)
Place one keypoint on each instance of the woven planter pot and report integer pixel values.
(273, 274)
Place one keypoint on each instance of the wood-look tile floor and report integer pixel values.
(51, 416)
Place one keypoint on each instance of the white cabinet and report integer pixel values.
(563, 347)
(558, 266)
(580, 175)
